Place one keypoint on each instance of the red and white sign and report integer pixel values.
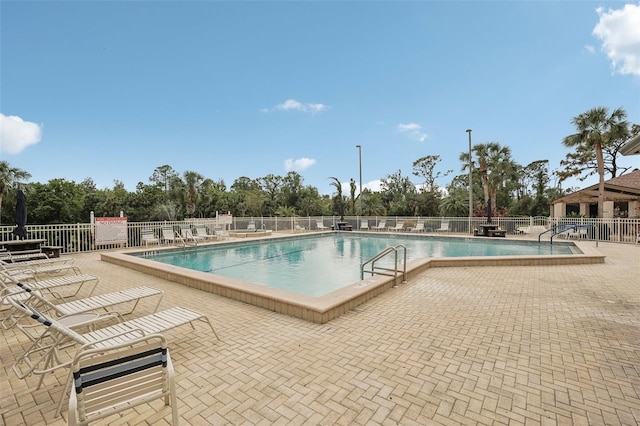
(111, 230)
(225, 219)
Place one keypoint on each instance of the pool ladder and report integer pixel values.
(184, 241)
(387, 271)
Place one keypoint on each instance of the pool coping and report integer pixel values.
(323, 309)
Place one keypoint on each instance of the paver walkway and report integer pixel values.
(547, 345)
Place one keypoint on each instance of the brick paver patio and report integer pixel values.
(488, 346)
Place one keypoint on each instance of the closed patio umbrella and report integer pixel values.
(21, 216)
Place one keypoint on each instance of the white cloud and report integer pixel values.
(293, 105)
(291, 165)
(315, 107)
(17, 134)
(589, 48)
(290, 104)
(413, 130)
(619, 31)
(373, 186)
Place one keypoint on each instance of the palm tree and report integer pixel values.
(338, 186)
(594, 129)
(352, 185)
(494, 165)
(456, 204)
(372, 204)
(502, 169)
(9, 176)
(192, 181)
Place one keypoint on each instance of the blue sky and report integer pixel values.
(113, 89)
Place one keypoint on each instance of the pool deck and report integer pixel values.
(534, 345)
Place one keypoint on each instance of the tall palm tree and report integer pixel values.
(594, 129)
(192, 180)
(9, 176)
(352, 185)
(338, 186)
(501, 169)
(494, 160)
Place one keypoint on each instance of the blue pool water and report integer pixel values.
(319, 264)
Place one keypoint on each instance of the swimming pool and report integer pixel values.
(324, 308)
(300, 264)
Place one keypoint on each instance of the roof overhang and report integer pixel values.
(590, 196)
(611, 193)
(632, 146)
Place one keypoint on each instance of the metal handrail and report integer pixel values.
(561, 229)
(379, 256)
(553, 229)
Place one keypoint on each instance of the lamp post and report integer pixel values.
(360, 166)
(470, 183)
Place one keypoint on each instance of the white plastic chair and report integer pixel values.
(382, 225)
(399, 226)
(148, 237)
(168, 235)
(578, 233)
(99, 304)
(321, 226)
(419, 227)
(444, 226)
(201, 232)
(187, 235)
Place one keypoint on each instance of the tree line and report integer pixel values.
(498, 181)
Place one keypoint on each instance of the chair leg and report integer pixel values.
(65, 389)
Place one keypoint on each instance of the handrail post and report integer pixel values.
(395, 268)
(404, 267)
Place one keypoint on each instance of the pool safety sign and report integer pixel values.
(111, 230)
(225, 219)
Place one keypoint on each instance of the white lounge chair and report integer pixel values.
(44, 355)
(187, 235)
(399, 226)
(251, 226)
(419, 227)
(116, 379)
(96, 304)
(531, 230)
(364, 225)
(321, 226)
(9, 291)
(382, 225)
(50, 285)
(34, 272)
(578, 233)
(62, 260)
(444, 226)
(93, 303)
(168, 235)
(22, 257)
(148, 237)
(201, 232)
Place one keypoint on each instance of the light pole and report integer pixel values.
(360, 164)
(470, 183)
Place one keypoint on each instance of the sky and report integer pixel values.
(111, 90)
